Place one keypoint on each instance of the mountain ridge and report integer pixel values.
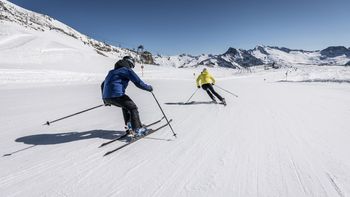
(232, 58)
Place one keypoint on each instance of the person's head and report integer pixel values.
(127, 61)
(204, 71)
(130, 60)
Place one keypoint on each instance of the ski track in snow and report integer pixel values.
(275, 139)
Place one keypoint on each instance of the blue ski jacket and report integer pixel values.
(117, 81)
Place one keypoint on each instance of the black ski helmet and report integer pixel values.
(130, 60)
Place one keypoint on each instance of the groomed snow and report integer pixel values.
(276, 139)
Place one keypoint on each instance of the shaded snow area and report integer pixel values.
(275, 139)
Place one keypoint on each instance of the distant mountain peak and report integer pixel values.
(231, 51)
(282, 56)
(334, 51)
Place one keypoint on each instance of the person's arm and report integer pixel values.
(212, 78)
(138, 82)
(102, 85)
(198, 81)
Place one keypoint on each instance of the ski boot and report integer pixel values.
(128, 130)
(214, 101)
(223, 101)
(141, 132)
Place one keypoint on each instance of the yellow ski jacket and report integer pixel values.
(204, 78)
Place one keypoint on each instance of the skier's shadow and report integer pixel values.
(59, 138)
(191, 103)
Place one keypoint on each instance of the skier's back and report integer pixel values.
(113, 91)
(206, 80)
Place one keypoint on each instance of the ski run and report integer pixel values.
(275, 139)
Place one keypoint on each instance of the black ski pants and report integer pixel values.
(210, 91)
(129, 108)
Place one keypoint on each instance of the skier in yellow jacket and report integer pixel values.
(206, 80)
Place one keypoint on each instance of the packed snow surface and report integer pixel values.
(276, 139)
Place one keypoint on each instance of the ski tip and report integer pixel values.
(106, 154)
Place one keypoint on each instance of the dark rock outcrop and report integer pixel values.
(242, 57)
(147, 58)
(335, 51)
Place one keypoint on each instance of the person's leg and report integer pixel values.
(206, 88)
(130, 107)
(118, 103)
(210, 87)
(126, 116)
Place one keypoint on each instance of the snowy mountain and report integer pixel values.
(240, 58)
(181, 61)
(36, 37)
(13, 14)
(336, 51)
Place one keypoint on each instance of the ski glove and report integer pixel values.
(150, 88)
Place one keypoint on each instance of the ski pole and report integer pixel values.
(226, 91)
(192, 95)
(49, 122)
(166, 118)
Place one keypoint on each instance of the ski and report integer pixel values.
(113, 140)
(132, 140)
(125, 135)
(155, 122)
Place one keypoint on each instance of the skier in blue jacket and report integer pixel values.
(113, 93)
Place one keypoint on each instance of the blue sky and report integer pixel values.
(172, 27)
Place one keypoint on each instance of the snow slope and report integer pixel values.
(276, 139)
(24, 48)
(37, 48)
(11, 13)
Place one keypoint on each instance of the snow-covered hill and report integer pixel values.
(37, 48)
(43, 23)
(238, 58)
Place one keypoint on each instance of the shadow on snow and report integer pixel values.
(191, 103)
(318, 80)
(58, 138)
